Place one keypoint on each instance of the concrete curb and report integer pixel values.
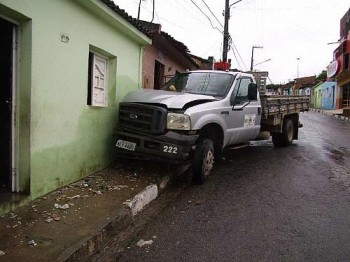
(142, 199)
(330, 114)
(123, 217)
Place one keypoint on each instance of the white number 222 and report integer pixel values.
(170, 149)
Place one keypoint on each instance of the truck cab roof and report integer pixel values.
(234, 73)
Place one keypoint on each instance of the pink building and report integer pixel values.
(164, 58)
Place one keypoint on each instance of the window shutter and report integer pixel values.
(99, 81)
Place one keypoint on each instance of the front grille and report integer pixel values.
(142, 118)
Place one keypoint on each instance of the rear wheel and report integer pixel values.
(286, 137)
(203, 160)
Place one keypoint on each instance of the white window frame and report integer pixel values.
(95, 89)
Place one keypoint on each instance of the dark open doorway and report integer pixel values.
(158, 75)
(6, 86)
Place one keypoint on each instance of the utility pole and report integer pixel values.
(252, 59)
(226, 33)
(138, 13)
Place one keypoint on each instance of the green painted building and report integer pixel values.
(317, 95)
(64, 66)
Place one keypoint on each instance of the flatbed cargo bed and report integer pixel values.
(281, 104)
(276, 107)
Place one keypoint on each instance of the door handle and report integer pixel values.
(225, 112)
(259, 111)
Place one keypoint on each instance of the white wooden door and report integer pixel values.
(99, 81)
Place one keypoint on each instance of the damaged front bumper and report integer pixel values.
(169, 147)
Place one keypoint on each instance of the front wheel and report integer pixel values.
(286, 137)
(203, 160)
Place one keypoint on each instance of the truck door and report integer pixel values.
(244, 121)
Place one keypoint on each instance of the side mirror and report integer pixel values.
(252, 92)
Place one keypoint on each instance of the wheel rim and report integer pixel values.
(208, 163)
(290, 131)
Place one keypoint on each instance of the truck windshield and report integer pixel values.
(204, 83)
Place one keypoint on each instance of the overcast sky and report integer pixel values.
(286, 29)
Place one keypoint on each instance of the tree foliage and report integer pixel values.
(322, 76)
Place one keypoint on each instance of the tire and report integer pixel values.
(203, 161)
(286, 137)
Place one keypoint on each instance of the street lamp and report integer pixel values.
(252, 59)
(267, 60)
(234, 3)
(298, 59)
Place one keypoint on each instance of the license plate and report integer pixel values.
(126, 145)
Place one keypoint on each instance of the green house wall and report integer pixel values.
(318, 96)
(59, 137)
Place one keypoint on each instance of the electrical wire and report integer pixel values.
(215, 43)
(166, 20)
(270, 80)
(160, 18)
(233, 46)
(213, 14)
(186, 10)
(211, 23)
(238, 63)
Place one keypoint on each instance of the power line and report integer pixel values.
(238, 63)
(213, 14)
(270, 80)
(186, 10)
(233, 46)
(214, 27)
(175, 24)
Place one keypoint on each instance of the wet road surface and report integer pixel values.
(262, 204)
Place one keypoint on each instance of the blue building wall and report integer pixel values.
(329, 95)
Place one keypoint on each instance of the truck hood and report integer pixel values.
(170, 99)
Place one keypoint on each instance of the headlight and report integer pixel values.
(178, 121)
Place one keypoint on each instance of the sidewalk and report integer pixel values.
(338, 113)
(75, 221)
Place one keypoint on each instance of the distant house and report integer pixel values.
(204, 64)
(303, 85)
(313, 95)
(329, 94)
(325, 96)
(164, 58)
(317, 98)
(287, 89)
(64, 66)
